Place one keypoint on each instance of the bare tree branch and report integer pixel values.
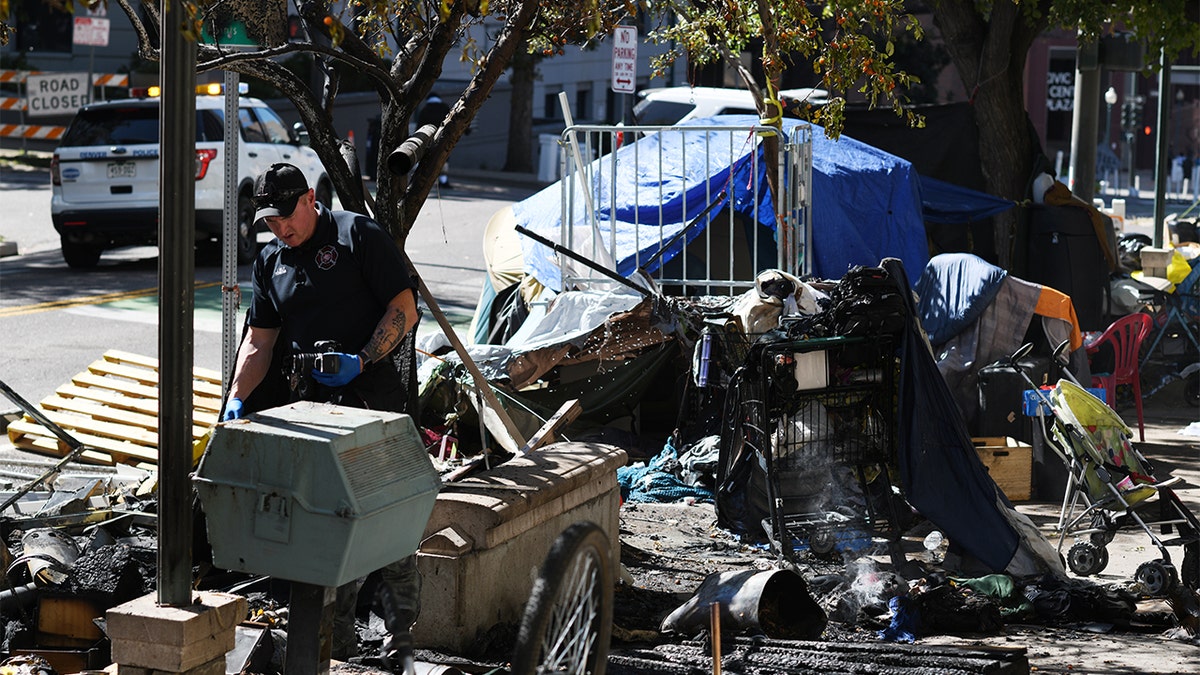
(375, 71)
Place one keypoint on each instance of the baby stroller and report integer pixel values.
(1110, 486)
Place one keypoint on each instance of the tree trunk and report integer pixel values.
(990, 57)
(519, 155)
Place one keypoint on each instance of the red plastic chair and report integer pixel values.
(1125, 336)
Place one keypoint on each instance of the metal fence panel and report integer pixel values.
(687, 206)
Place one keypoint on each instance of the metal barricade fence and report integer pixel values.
(694, 241)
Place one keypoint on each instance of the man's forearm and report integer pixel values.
(253, 362)
(388, 333)
(398, 318)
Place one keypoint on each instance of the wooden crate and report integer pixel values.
(112, 408)
(64, 621)
(1010, 464)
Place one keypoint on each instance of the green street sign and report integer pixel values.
(228, 34)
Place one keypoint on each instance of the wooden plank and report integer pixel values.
(204, 413)
(121, 450)
(566, 414)
(100, 412)
(118, 356)
(46, 445)
(134, 390)
(148, 377)
(139, 375)
(91, 379)
(122, 432)
(115, 414)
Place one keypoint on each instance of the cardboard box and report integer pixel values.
(1010, 464)
(1155, 260)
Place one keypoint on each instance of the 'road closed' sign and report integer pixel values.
(56, 93)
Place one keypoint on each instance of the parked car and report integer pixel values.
(671, 105)
(105, 174)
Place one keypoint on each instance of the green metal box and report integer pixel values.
(315, 493)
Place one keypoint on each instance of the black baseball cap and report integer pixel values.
(277, 190)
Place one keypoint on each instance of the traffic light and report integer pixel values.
(1128, 116)
(295, 28)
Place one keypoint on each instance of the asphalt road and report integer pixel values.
(55, 320)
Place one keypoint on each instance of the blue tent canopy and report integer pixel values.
(867, 204)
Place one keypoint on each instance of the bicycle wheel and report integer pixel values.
(568, 619)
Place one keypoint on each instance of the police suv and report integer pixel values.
(105, 174)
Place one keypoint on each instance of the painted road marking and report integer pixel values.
(101, 299)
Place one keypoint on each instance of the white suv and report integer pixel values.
(669, 106)
(105, 174)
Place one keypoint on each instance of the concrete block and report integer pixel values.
(489, 535)
(214, 667)
(175, 639)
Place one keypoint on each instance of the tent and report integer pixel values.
(976, 313)
(867, 204)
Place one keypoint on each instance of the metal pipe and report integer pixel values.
(559, 248)
(22, 595)
(410, 152)
(176, 304)
(230, 293)
(77, 448)
(1161, 150)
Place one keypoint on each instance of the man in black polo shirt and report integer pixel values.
(328, 276)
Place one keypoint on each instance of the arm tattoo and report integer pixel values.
(387, 335)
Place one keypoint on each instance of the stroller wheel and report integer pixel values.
(1191, 389)
(823, 545)
(1086, 559)
(1157, 576)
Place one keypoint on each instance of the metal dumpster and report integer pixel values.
(315, 493)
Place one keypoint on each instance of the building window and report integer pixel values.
(43, 26)
(550, 106)
(583, 104)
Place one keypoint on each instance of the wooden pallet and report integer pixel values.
(112, 408)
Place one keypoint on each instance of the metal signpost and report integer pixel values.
(231, 296)
(92, 31)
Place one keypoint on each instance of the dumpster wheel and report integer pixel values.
(568, 619)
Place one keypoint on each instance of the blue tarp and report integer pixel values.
(867, 204)
(949, 204)
(955, 288)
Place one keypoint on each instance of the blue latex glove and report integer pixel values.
(349, 366)
(233, 409)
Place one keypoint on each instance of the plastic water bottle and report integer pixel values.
(705, 355)
(933, 541)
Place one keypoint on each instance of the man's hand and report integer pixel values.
(349, 366)
(233, 409)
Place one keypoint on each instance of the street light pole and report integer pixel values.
(1110, 98)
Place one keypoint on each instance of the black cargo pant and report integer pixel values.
(400, 600)
(381, 387)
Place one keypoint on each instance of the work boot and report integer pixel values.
(399, 598)
(397, 654)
